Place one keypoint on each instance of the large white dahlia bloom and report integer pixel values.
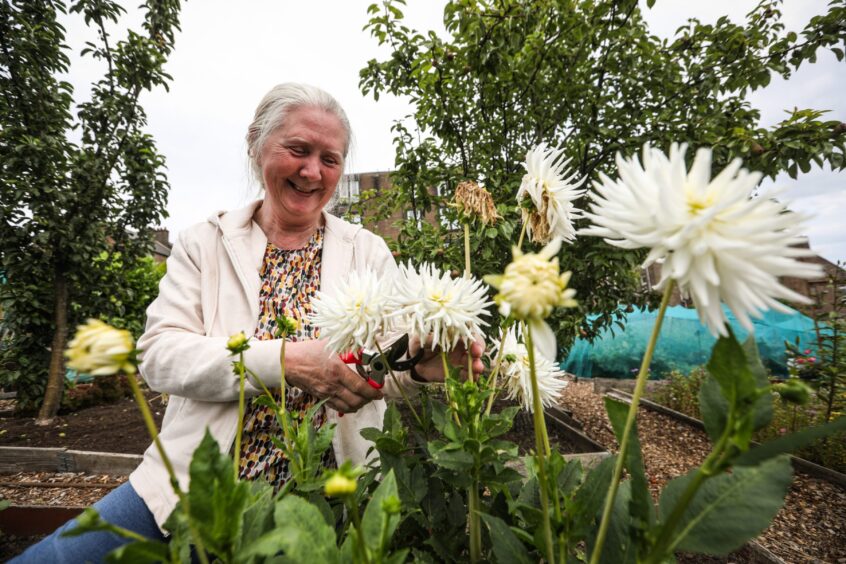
(354, 313)
(430, 302)
(710, 235)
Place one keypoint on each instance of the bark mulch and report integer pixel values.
(811, 527)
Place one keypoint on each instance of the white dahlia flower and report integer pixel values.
(710, 235)
(354, 313)
(552, 189)
(517, 376)
(429, 302)
(530, 289)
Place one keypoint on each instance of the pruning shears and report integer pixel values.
(373, 366)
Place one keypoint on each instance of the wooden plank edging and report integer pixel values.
(33, 459)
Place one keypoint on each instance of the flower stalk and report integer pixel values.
(542, 449)
(150, 423)
(630, 419)
(400, 387)
(242, 376)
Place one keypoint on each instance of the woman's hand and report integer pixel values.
(313, 369)
(431, 368)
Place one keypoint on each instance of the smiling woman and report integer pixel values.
(241, 271)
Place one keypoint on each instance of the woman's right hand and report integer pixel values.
(313, 369)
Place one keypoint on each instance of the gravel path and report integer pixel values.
(811, 527)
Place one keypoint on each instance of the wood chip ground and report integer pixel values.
(810, 528)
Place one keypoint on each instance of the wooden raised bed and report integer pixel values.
(29, 520)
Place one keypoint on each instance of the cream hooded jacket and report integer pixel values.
(210, 292)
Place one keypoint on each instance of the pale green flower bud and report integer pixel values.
(339, 485)
(391, 505)
(793, 391)
(237, 343)
(101, 350)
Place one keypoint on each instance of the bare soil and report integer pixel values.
(116, 427)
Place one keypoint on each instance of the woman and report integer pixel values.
(240, 270)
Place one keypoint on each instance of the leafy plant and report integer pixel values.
(590, 78)
(65, 204)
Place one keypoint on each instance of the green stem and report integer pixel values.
(542, 449)
(467, 271)
(640, 384)
(241, 378)
(383, 537)
(446, 389)
(150, 423)
(495, 373)
(522, 234)
(286, 430)
(537, 405)
(475, 522)
(467, 274)
(353, 507)
(400, 387)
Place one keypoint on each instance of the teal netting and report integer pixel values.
(684, 343)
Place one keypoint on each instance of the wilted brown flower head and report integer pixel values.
(473, 200)
(539, 231)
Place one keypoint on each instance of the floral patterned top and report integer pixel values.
(289, 280)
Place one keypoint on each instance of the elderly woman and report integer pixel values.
(240, 270)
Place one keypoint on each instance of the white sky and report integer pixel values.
(230, 53)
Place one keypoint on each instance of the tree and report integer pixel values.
(63, 203)
(586, 76)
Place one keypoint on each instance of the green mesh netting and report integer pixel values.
(684, 343)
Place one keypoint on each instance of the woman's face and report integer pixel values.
(301, 164)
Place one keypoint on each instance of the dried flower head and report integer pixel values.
(473, 200)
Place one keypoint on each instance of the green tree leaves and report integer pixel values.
(64, 204)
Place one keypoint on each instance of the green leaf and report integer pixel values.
(506, 546)
(764, 404)
(453, 459)
(589, 498)
(302, 532)
(713, 407)
(258, 516)
(216, 499)
(620, 546)
(374, 516)
(642, 509)
(729, 367)
(728, 509)
(140, 552)
(790, 443)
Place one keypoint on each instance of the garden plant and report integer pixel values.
(446, 487)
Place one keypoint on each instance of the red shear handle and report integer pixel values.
(351, 357)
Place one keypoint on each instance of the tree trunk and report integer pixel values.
(56, 376)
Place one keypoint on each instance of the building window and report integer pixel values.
(349, 189)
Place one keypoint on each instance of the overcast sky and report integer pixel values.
(230, 53)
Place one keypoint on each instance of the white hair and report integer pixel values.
(274, 109)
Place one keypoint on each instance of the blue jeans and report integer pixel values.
(122, 507)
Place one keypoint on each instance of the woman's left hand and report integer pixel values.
(431, 368)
